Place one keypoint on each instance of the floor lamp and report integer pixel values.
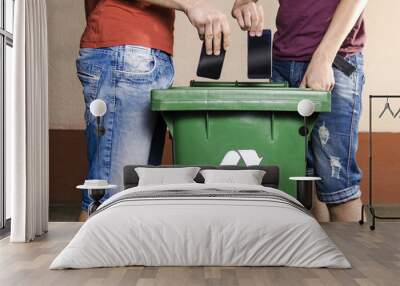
(305, 108)
(97, 187)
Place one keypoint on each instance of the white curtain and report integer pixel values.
(27, 124)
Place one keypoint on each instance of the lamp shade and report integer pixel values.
(305, 107)
(98, 107)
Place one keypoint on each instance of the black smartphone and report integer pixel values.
(210, 66)
(344, 66)
(259, 64)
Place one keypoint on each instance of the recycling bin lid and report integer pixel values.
(253, 84)
(237, 99)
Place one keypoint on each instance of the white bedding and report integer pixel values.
(185, 230)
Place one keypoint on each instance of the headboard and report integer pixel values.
(271, 177)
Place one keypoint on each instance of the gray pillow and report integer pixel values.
(247, 177)
(166, 176)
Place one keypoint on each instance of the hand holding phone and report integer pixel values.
(212, 25)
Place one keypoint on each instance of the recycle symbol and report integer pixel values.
(234, 157)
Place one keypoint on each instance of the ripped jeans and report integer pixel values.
(122, 76)
(334, 139)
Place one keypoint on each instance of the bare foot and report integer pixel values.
(346, 212)
(83, 216)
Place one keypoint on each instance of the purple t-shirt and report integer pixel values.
(301, 25)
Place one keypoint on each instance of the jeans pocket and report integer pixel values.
(138, 65)
(90, 78)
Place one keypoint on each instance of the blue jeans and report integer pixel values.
(334, 139)
(123, 77)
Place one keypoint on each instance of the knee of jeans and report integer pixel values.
(332, 167)
(336, 171)
(328, 161)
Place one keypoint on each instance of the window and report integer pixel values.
(9, 15)
(6, 64)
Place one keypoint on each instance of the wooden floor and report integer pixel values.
(375, 257)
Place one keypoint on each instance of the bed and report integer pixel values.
(198, 224)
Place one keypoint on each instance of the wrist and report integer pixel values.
(324, 56)
(242, 2)
(186, 5)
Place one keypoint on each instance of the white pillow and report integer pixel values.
(247, 177)
(166, 176)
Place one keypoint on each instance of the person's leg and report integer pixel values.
(334, 145)
(292, 72)
(349, 211)
(137, 72)
(93, 66)
(319, 209)
(124, 83)
(83, 215)
(157, 144)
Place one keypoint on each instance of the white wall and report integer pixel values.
(66, 23)
(382, 60)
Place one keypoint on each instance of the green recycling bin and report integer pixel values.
(239, 124)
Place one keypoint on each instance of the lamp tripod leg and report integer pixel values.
(96, 196)
(361, 221)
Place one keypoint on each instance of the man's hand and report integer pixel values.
(211, 24)
(250, 16)
(319, 75)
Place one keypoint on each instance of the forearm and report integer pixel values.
(181, 5)
(343, 21)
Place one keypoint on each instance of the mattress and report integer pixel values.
(201, 225)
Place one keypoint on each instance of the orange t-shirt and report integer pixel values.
(127, 22)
